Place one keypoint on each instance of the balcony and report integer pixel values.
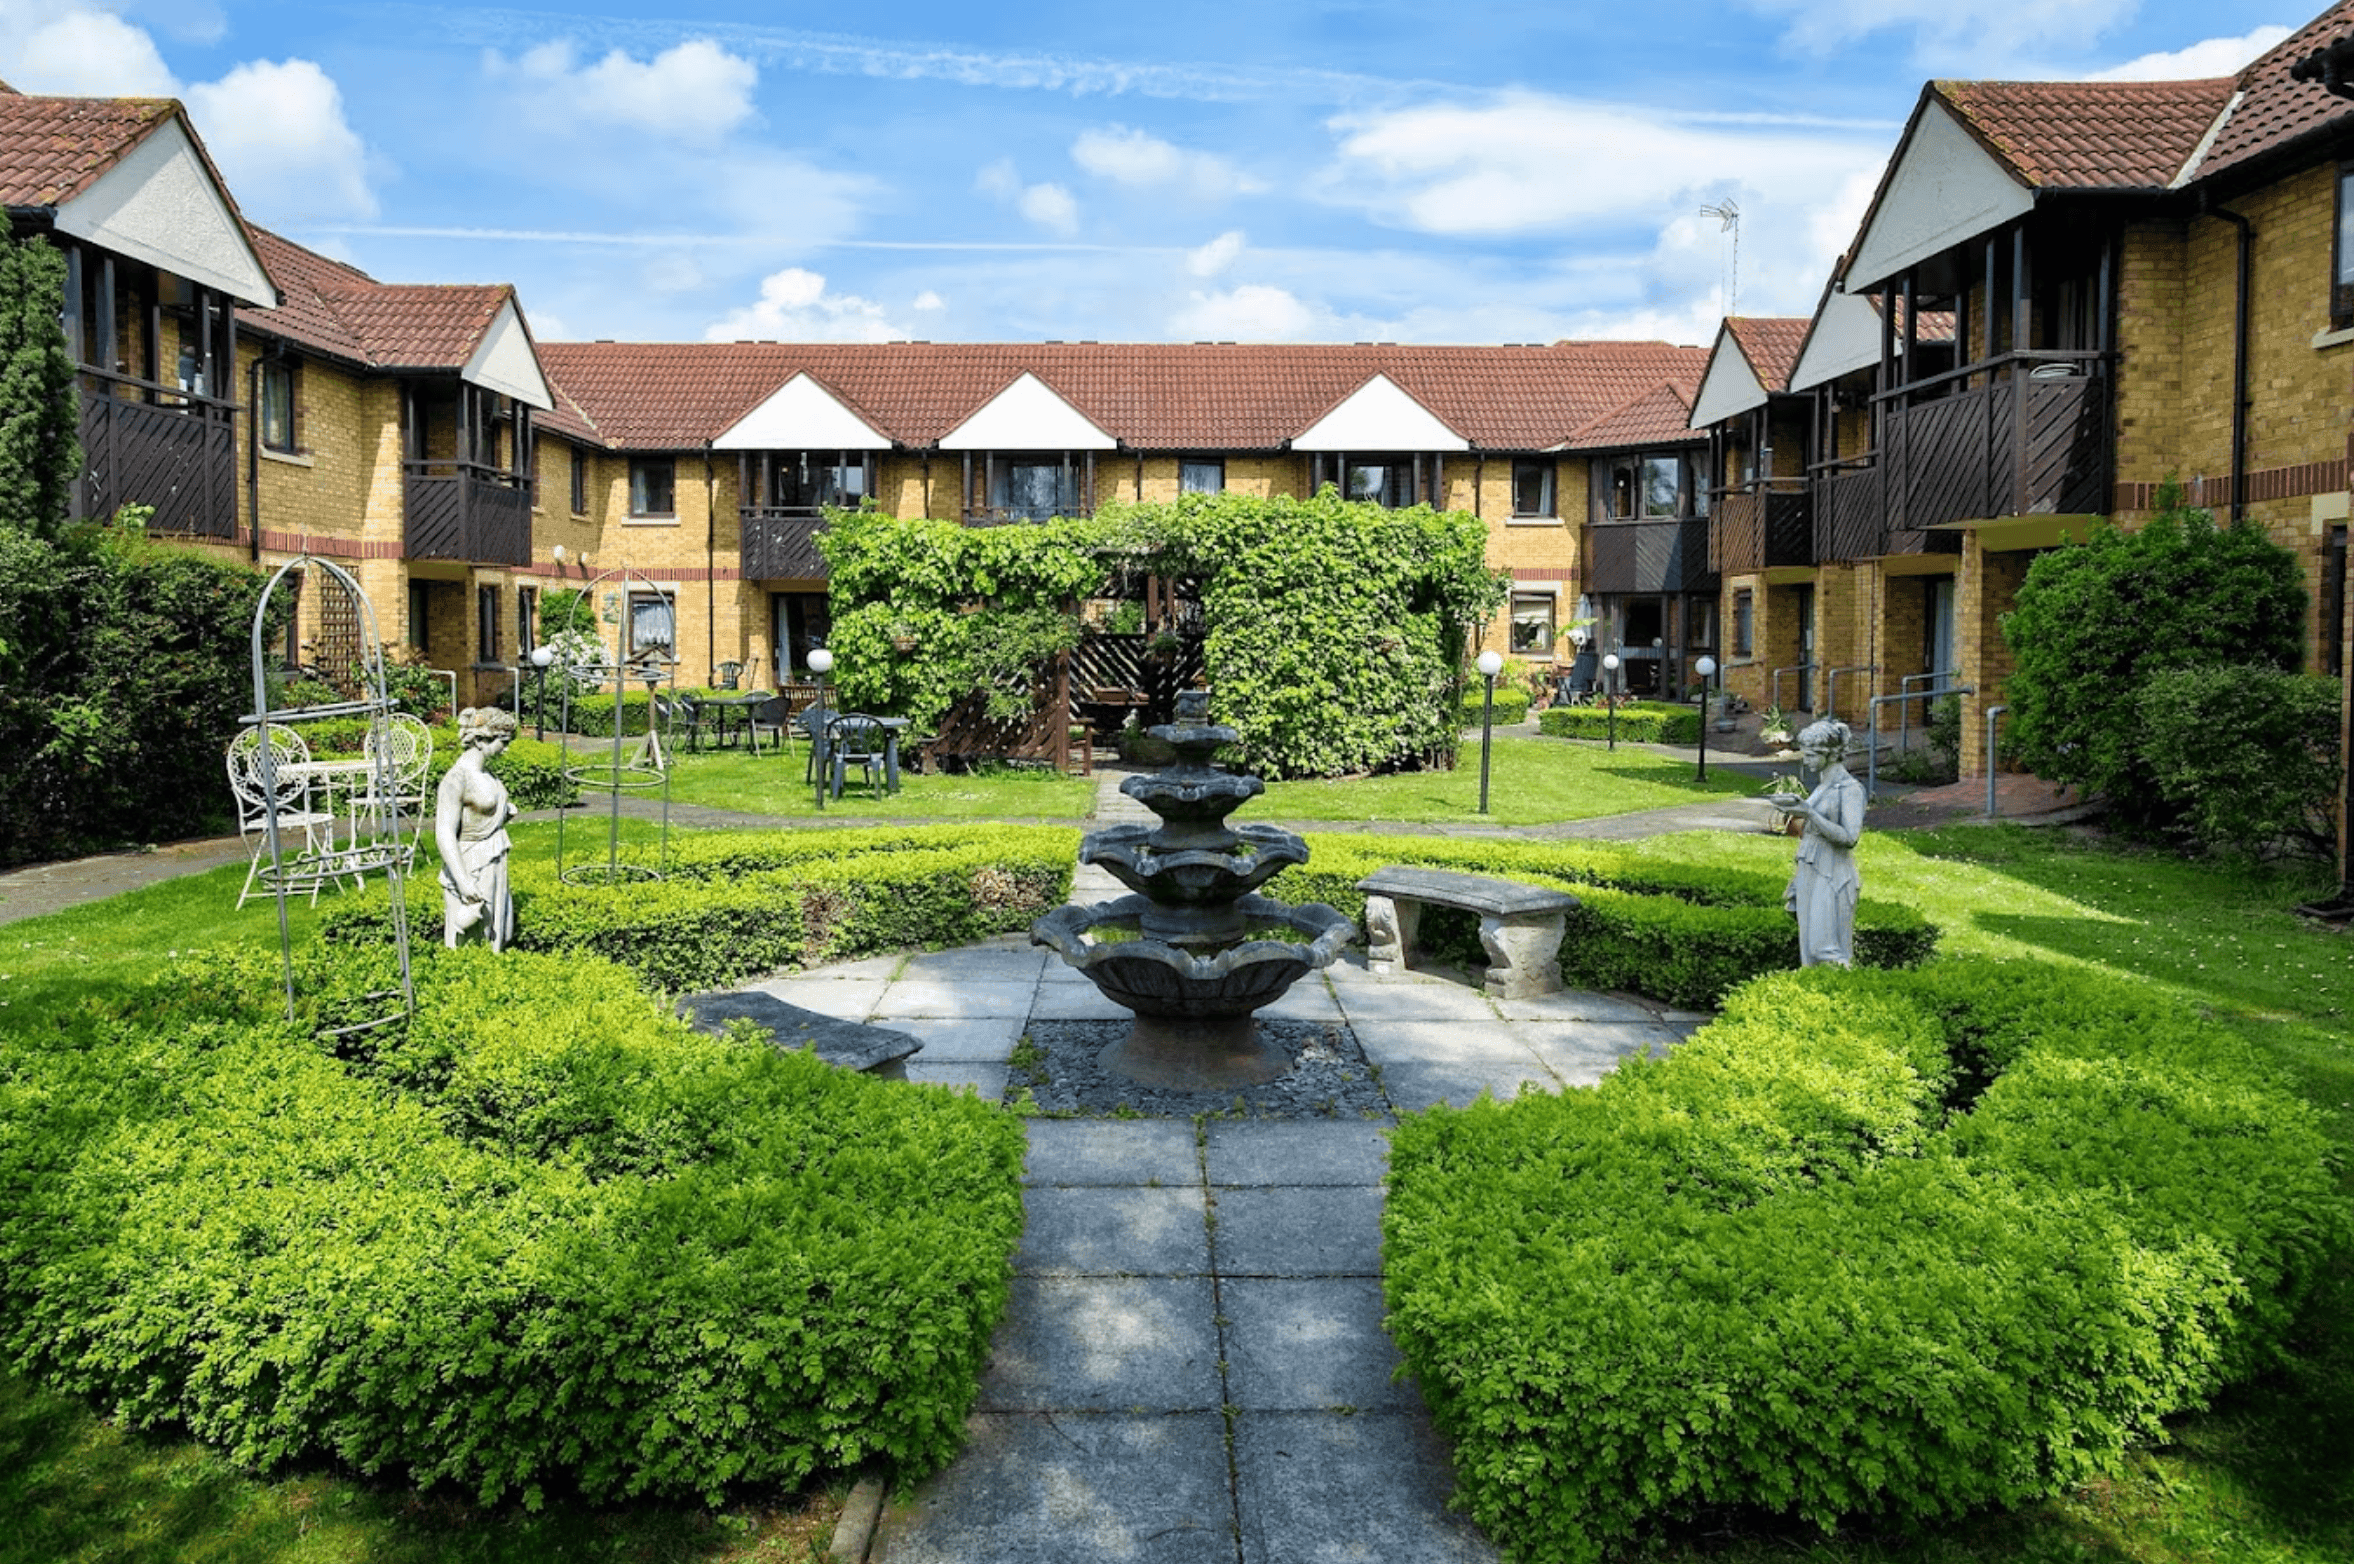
(1647, 557)
(780, 542)
(179, 456)
(1761, 528)
(465, 511)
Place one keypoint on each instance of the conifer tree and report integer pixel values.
(40, 444)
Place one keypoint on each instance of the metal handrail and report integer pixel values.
(1992, 712)
(1805, 669)
(1872, 765)
(1989, 365)
(1831, 685)
(1903, 739)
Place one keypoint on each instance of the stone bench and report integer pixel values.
(1519, 925)
(849, 1045)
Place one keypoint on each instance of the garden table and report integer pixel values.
(741, 708)
(892, 727)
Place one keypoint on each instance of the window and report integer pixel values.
(1389, 483)
(1744, 623)
(1204, 477)
(2341, 293)
(579, 481)
(526, 621)
(277, 411)
(653, 486)
(486, 624)
(2333, 603)
(419, 595)
(1644, 487)
(1034, 488)
(1532, 624)
(808, 480)
(1532, 488)
(653, 627)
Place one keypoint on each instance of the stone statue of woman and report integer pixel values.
(470, 818)
(1824, 882)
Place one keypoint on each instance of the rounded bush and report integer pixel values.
(1892, 1243)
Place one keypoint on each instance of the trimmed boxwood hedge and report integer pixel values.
(1884, 1243)
(543, 1236)
(1511, 705)
(1639, 722)
(532, 770)
(745, 903)
(1682, 934)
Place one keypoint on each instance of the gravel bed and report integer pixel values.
(1328, 1079)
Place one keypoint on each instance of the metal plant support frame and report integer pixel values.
(377, 844)
(643, 772)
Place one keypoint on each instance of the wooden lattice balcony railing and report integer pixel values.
(1649, 556)
(780, 542)
(1756, 528)
(177, 453)
(463, 510)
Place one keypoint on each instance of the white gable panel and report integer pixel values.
(504, 362)
(1846, 337)
(1378, 416)
(802, 415)
(1729, 387)
(1027, 416)
(160, 205)
(1944, 189)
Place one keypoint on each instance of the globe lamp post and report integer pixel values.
(1490, 664)
(541, 657)
(1610, 695)
(821, 663)
(1706, 668)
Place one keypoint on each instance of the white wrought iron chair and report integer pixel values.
(409, 742)
(290, 801)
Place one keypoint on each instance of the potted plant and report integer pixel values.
(1785, 825)
(1773, 727)
(903, 636)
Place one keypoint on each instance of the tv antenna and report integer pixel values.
(1728, 215)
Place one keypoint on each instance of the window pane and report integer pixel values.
(1744, 617)
(650, 485)
(651, 626)
(1532, 625)
(1659, 485)
(1201, 477)
(845, 484)
(579, 481)
(1532, 488)
(2346, 227)
(277, 407)
(1033, 490)
(526, 619)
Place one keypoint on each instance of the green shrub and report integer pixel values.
(1676, 933)
(1882, 1243)
(544, 1235)
(533, 771)
(744, 903)
(1511, 704)
(1641, 722)
(2096, 620)
(2247, 757)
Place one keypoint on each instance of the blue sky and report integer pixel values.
(1466, 172)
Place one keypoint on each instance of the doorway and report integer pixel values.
(1803, 599)
(798, 621)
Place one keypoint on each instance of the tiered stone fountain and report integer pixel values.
(1195, 952)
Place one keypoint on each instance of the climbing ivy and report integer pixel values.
(40, 445)
(1335, 628)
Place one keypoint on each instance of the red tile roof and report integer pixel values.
(2090, 135)
(2276, 110)
(1661, 416)
(1152, 396)
(1771, 344)
(337, 309)
(52, 149)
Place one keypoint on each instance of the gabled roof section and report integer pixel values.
(1977, 154)
(129, 175)
(1663, 416)
(1843, 337)
(802, 415)
(474, 330)
(1751, 361)
(1028, 415)
(2276, 111)
(1379, 416)
(1154, 396)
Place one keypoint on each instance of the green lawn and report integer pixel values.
(1533, 781)
(771, 784)
(2266, 1476)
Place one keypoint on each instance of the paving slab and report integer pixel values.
(1034, 1487)
(1309, 1000)
(1081, 1001)
(1312, 1345)
(1362, 1000)
(1085, 1231)
(914, 998)
(1581, 1053)
(1573, 1004)
(1111, 1151)
(1322, 1231)
(985, 1081)
(984, 1040)
(885, 967)
(974, 964)
(1452, 1042)
(1318, 1489)
(1105, 1344)
(1306, 1152)
(1415, 1085)
(848, 999)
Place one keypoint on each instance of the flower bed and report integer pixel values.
(1892, 1243)
(542, 1235)
(1683, 935)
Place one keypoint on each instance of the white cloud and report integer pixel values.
(1216, 256)
(795, 307)
(278, 132)
(1254, 312)
(1051, 208)
(2208, 57)
(79, 53)
(694, 92)
(1990, 29)
(928, 300)
(1133, 157)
